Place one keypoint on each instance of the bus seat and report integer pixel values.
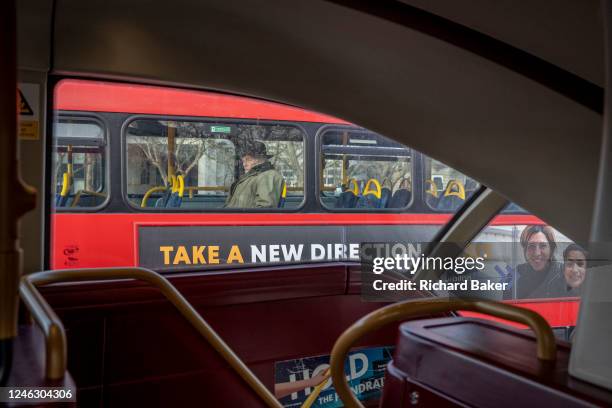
(470, 187)
(402, 196)
(453, 198)
(449, 203)
(61, 201)
(162, 202)
(371, 195)
(386, 193)
(178, 190)
(400, 199)
(385, 197)
(283, 196)
(348, 198)
(432, 196)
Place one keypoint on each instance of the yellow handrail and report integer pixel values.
(317, 390)
(173, 184)
(181, 185)
(145, 198)
(367, 190)
(546, 346)
(65, 184)
(433, 190)
(77, 197)
(354, 188)
(56, 338)
(460, 189)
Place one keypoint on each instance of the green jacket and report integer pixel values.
(259, 188)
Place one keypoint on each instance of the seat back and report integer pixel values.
(371, 195)
(432, 195)
(385, 197)
(402, 195)
(348, 198)
(453, 198)
(162, 202)
(178, 190)
(400, 199)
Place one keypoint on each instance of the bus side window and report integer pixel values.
(534, 264)
(200, 165)
(446, 189)
(79, 163)
(363, 171)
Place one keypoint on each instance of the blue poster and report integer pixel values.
(365, 370)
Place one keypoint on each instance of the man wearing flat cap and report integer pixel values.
(260, 185)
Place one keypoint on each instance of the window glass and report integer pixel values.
(531, 258)
(446, 189)
(79, 163)
(205, 165)
(537, 265)
(364, 171)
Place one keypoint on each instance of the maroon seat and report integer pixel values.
(473, 362)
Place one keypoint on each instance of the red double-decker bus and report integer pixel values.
(142, 175)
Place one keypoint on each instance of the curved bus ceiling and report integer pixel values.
(521, 138)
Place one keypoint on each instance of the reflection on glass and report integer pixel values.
(204, 165)
(365, 171)
(78, 164)
(446, 189)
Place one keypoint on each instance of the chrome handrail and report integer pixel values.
(546, 345)
(55, 334)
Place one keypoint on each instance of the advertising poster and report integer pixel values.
(365, 370)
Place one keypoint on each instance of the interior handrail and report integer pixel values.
(460, 189)
(317, 390)
(65, 184)
(368, 188)
(546, 346)
(77, 196)
(180, 189)
(56, 338)
(150, 191)
(434, 188)
(51, 326)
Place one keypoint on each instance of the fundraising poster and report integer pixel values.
(365, 370)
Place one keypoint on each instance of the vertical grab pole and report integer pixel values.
(171, 149)
(592, 334)
(15, 198)
(601, 226)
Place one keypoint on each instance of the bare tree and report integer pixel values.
(189, 147)
(155, 150)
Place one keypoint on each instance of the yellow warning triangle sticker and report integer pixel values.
(24, 106)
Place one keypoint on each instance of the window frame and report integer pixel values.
(100, 121)
(205, 119)
(319, 155)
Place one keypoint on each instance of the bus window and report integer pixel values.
(79, 163)
(189, 165)
(540, 268)
(364, 171)
(446, 189)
